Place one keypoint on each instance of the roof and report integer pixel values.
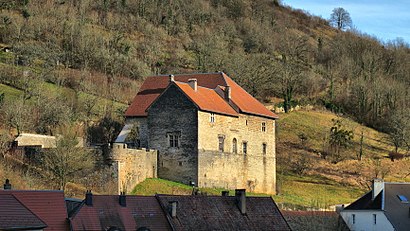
(105, 212)
(27, 139)
(208, 83)
(15, 216)
(397, 212)
(207, 99)
(222, 213)
(366, 203)
(48, 206)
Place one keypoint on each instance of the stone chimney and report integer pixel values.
(240, 195)
(227, 93)
(173, 209)
(89, 198)
(7, 185)
(171, 78)
(122, 199)
(225, 193)
(377, 187)
(193, 83)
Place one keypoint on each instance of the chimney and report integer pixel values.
(7, 185)
(122, 199)
(225, 193)
(171, 78)
(227, 93)
(240, 195)
(193, 83)
(89, 198)
(377, 187)
(173, 208)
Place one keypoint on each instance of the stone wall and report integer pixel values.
(141, 123)
(132, 166)
(174, 113)
(254, 170)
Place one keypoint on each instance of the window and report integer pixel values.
(246, 122)
(212, 118)
(174, 139)
(263, 127)
(264, 148)
(403, 198)
(245, 147)
(234, 146)
(221, 142)
(353, 218)
(374, 219)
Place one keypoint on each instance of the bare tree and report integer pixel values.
(67, 161)
(340, 18)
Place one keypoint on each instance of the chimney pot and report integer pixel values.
(7, 185)
(193, 83)
(225, 193)
(240, 195)
(377, 187)
(122, 199)
(171, 78)
(89, 198)
(227, 93)
(173, 208)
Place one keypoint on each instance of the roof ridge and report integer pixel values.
(32, 212)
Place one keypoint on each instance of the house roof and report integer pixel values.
(106, 212)
(366, 202)
(222, 213)
(207, 99)
(15, 216)
(48, 206)
(397, 212)
(27, 139)
(153, 87)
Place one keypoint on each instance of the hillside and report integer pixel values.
(79, 64)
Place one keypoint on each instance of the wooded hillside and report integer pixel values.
(106, 48)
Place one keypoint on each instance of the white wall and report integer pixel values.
(364, 220)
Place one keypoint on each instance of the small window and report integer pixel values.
(234, 146)
(246, 122)
(264, 148)
(353, 218)
(403, 198)
(245, 147)
(221, 143)
(374, 219)
(174, 139)
(212, 118)
(263, 127)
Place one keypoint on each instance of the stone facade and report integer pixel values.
(254, 170)
(174, 114)
(132, 166)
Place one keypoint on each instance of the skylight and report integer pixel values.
(403, 198)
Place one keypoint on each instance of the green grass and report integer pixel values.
(10, 93)
(313, 191)
(316, 126)
(296, 192)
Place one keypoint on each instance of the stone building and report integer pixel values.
(206, 129)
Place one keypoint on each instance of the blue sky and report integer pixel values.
(384, 19)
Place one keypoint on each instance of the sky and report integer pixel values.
(383, 19)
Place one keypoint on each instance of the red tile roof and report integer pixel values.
(155, 85)
(49, 206)
(14, 216)
(207, 99)
(105, 212)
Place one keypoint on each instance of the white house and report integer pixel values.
(386, 207)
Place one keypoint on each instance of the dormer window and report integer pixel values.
(212, 118)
